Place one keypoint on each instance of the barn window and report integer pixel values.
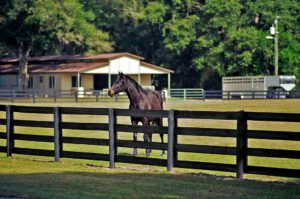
(74, 81)
(51, 82)
(30, 82)
(41, 79)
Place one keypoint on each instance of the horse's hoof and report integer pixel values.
(147, 153)
(135, 153)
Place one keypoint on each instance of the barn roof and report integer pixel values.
(72, 63)
(74, 58)
(53, 68)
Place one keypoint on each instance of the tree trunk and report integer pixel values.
(23, 67)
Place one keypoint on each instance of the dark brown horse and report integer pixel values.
(139, 99)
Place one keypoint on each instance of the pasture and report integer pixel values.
(79, 173)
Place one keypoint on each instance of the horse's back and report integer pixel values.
(154, 100)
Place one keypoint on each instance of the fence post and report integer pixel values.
(241, 144)
(9, 130)
(57, 133)
(171, 127)
(163, 94)
(175, 139)
(112, 139)
(97, 95)
(184, 94)
(54, 96)
(12, 95)
(76, 95)
(33, 96)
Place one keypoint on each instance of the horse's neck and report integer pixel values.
(133, 94)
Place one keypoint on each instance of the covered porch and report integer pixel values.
(103, 78)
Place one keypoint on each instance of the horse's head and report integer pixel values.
(119, 85)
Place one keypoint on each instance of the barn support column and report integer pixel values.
(78, 80)
(169, 81)
(109, 80)
(139, 78)
(139, 74)
(109, 76)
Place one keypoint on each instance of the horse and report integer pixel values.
(142, 99)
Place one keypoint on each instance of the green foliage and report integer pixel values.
(48, 23)
(180, 33)
(201, 40)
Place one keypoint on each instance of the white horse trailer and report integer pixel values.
(257, 86)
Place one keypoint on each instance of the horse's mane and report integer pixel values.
(136, 85)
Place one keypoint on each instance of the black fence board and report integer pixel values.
(84, 155)
(141, 144)
(206, 132)
(141, 160)
(36, 138)
(37, 152)
(31, 123)
(84, 126)
(273, 171)
(207, 115)
(274, 153)
(87, 141)
(141, 129)
(205, 166)
(206, 149)
(279, 117)
(274, 135)
(32, 109)
(2, 108)
(141, 113)
(2, 135)
(2, 121)
(84, 111)
(3, 149)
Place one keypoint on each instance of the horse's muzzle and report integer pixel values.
(111, 92)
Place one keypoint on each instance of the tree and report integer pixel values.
(64, 25)
(202, 40)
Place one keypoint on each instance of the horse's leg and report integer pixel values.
(146, 137)
(150, 140)
(160, 123)
(135, 137)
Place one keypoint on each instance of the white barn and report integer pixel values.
(79, 72)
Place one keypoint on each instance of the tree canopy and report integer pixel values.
(201, 40)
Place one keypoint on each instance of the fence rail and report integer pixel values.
(184, 94)
(241, 151)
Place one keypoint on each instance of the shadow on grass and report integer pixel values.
(104, 183)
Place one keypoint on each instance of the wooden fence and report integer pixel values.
(182, 93)
(241, 134)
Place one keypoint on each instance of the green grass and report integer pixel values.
(90, 179)
(20, 177)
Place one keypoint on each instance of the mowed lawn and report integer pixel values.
(39, 177)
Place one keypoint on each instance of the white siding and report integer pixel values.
(127, 66)
(124, 64)
(8, 81)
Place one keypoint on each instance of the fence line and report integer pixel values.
(185, 94)
(241, 133)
